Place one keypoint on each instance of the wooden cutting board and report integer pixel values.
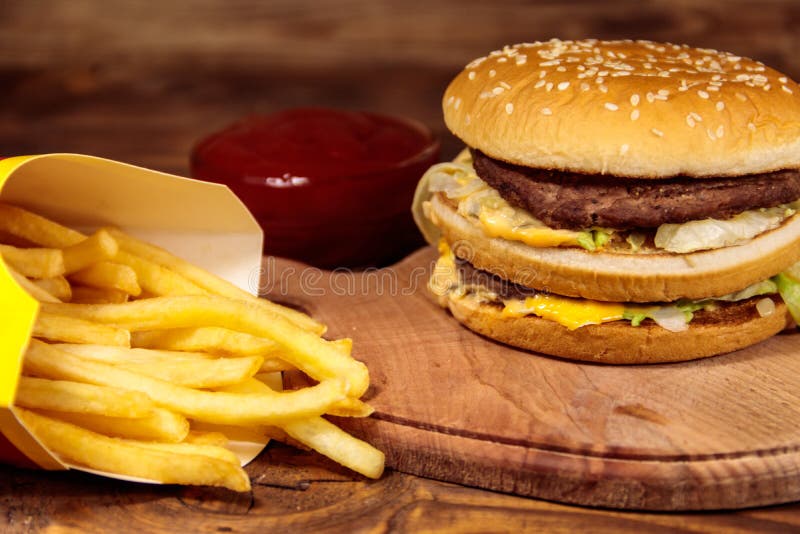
(717, 433)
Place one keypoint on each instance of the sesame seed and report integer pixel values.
(561, 69)
(651, 97)
(542, 74)
(623, 149)
(585, 86)
(521, 59)
(711, 135)
(563, 85)
(502, 60)
(720, 105)
(783, 79)
(458, 103)
(492, 73)
(720, 130)
(539, 84)
(657, 132)
(751, 126)
(690, 121)
(742, 77)
(741, 97)
(450, 100)
(471, 75)
(702, 94)
(663, 92)
(634, 114)
(546, 111)
(610, 106)
(504, 85)
(696, 117)
(552, 63)
(786, 89)
(767, 87)
(603, 89)
(509, 108)
(497, 90)
(634, 99)
(549, 86)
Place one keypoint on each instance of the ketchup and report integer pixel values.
(329, 187)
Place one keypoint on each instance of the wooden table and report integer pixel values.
(133, 82)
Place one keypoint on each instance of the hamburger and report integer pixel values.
(618, 201)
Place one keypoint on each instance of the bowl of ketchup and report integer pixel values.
(329, 187)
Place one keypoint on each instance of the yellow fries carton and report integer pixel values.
(202, 222)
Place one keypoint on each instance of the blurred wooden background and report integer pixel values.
(140, 81)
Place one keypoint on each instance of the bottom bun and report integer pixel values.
(710, 333)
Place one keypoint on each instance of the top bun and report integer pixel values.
(627, 108)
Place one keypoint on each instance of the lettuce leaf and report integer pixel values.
(789, 289)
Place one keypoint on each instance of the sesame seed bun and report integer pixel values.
(627, 108)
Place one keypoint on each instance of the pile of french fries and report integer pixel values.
(144, 365)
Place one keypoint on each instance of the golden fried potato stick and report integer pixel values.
(212, 339)
(134, 458)
(117, 355)
(57, 286)
(160, 425)
(33, 290)
(68, 396)
(327, 439)
(191, 369)
(37, 229)
(209, 281)
(98, 247)
(218, 407)
(333, 442)
(34, 262)
(94, 295)
(351, 407)
(74, 330)
(320, 359)
(198, 437)
(108, 275)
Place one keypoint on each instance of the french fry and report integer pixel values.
(36, 229)
(99, 246)
(198, 437)
(159, 425)
(34, 262)
(72, 330)
(117, 355)
(212, 355)
(209, 281)
(77, 397)
(207, 339)
(94, 295)
(158, 280)
(33, 290)
(108, 275)
(199, 373)
(333, 442)
(133, 458)
(328, 439)
(57, 286)
(220, 407)
(320, 359)
(351, 407)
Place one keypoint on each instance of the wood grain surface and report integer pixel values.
(716, 433)
(141, 82)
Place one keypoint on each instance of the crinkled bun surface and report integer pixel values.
(627, 108)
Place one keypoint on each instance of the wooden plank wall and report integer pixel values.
(140, 81)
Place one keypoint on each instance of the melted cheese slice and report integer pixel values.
(506, 224)
(570, 312)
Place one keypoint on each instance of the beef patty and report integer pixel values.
(572, 200)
